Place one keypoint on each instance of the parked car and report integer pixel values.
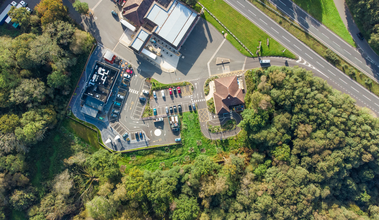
(155, 111)
(117, 104)
(141, 135)
(171, 109)
(145, 92)
(126, 81)
(127, 76)
(24, 4)
(125, 135)
(190, 107)
(174, 90)
(136, 134)
(101, 118)
(360, 36)
(142, 99)
(154, 94)
(115, 111)
(178, 139)
(120, 96)
(114, 115)
(180, 108)
(175, 108)
(159, 119)
(179, 91)
(29, 10)
(194, 106)
(166, 110)
(13, 3)
(170, 90)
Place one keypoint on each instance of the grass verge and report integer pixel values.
(325, 11)
(249, 34)
(319, 48)
(211, 106)
(147, 112)
(156, 85)
(193, 145)
(227, 126)
(206, 84)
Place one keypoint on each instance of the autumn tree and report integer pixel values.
(50, 11)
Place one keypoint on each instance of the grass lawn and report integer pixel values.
(249, 34)
(83, 132)
(326, 12)
(156, 85)
(193, 145)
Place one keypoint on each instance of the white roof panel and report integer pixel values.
(143, 35)
(184, 29)
(137, 44)
(140, 40)
(128, 25)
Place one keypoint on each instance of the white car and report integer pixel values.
(28, 9)
(14, 3)
(145, 92)
(126, 75)
(162, 91)
(120, 96)
(24, 4)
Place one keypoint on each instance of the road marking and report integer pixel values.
(286, 38)
(308, 56)
(291, 10)
(336, 44)
(98, 3)
(354, 89)
(366, 97)
(325, 35)
(358, 59)
(320, 64)
(343, 81)
(283, 3)
(347, 51)
(252, 13)
(332, 73)
(263, 21)
(297, 47)
(275, 30)
(209, 69)
(376, 104)
(240, 4)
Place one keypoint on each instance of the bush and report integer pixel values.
(80, 7)
(211, 106)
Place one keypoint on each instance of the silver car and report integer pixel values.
(163, 95)
(166, 110)
(155, 95)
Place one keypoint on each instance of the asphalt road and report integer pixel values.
(362, 58)
(332, 75)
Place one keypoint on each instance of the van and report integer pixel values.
(264, 62)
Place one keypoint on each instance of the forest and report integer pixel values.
(366, 14)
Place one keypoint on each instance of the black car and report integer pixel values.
(141, 135)
(180, 108)
(142, 99)
(136, 135)
(175, 108)
(194, 106)
(190, 107)
(171, 109)
(360, 36)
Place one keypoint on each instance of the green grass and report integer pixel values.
(211, 106)
(193, 145)
(156, 85)
(326, 12)
(86, 134)
(18, 215)
(244, 30)
(8, 30)
(147, 112)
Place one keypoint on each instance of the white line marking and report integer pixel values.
(366, 97)
(209, 69)
(308, 56)
(93, 9)
(321, 73)
(252, 13)
(275, 30)
(291, 10)
(336, 44)
(325, 35)
(286, 38)
(358, 59)
(297, 47)
(320, 64)
(263, 21)
(347, 51)
(343, 81)
(376, 104)
(240, 4)
(283, 3)
(354, 89)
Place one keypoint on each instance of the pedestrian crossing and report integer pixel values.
(199, 100)
(134, 91)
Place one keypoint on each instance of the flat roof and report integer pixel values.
(173, 23)
(140, 40)
(89, 111)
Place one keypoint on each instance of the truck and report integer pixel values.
(4, 14)
(174, 122)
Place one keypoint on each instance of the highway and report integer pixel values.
(322, 68)
(365, 60)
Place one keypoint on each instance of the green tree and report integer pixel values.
(81, 7)
(20, 16)
(101, 208)
(22, 199)
(57, 80)
(185, 208)
(50, 11)
(8, 123)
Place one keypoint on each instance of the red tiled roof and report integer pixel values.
(135, 10)
(227, 94)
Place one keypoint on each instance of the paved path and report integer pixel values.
(362, 58)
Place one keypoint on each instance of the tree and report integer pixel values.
(101, 208)
(331, 57)
(8, 123)
(185, 208)
(81, 7)
(103, 164)
(57, 80)
(60, 31)
(50, 11)
(22, 199)
(81, 42)
(30, 92)
(20, 16)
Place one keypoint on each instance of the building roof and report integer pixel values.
(89, 111)
(172, 23)
(135, 10)
(140, 40)
(227, 94)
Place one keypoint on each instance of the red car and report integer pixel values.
(179, 91)
(170, 90)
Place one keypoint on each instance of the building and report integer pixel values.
(228, 94)
(98, 89)
(161, 24)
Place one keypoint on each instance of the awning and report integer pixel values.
(128, 25)
(109, 56)
(149, 54)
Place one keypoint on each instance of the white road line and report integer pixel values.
(308, 56)
(366, 97)
(286, 38)
(263, 21)
(343, 81)
(325, 35)
(347, 51)
(354, 89)
(336, 44)
(376, 104)
(240, 4)
(275, 30)
(98, 3)
(283, 3)
(252, 13)
(332, 73)
(320, 64)
(358, 59)
(291, 10)
(209, 69)
(297, 47)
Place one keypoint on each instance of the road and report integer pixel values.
(332, 75)
(362, 58)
